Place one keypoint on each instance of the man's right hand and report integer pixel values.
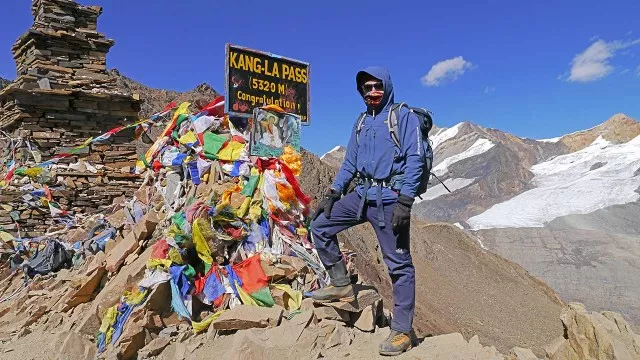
(327, 204)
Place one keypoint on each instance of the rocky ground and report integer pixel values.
(587, 335)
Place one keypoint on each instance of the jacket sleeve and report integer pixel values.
(348, 169)
(413, 152)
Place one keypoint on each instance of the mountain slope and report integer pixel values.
(571, 216)
(463, 288)
(597, 268)
(617, 220)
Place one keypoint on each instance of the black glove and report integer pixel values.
(401, 217)
(327, 204)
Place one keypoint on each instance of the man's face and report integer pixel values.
(373, 92)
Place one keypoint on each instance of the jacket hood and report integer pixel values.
(383, 75)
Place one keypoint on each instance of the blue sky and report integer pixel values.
(533, 68)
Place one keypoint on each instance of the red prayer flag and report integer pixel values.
(215, 107)
(251, 273)
(167, 108)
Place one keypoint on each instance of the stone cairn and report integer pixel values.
(63, 95)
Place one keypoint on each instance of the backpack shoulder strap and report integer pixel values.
(393, 123)
(359, 125)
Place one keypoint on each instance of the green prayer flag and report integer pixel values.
(263, 297)
(250, 186)
(212, 144)
(189, 272)
(180, 220)
(181, 118)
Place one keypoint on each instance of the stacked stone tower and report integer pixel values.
(63, 49)
(63, 95)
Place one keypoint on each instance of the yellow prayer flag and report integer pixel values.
(244, 297)
(231, 152)
(154, 263)
(203, 325)
(202, 248)
(293, 298)
(182, 109)
(244, 208)
(188, 138)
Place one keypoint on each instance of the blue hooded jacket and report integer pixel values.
(373, 153)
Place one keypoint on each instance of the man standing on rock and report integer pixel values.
(387, 178)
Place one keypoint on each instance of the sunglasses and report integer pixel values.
(371, 87)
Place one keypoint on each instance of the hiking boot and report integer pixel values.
(395, 344)
(334, 293)
(340, 288)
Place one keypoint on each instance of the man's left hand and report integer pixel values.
(401, 217)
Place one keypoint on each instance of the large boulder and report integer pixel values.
(126, 279)
(128, 245)
(247, 317)
(75, 346)
(595, 336)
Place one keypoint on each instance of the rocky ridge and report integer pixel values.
(154, 99)
(618, 129)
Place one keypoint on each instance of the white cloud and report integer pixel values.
(489, 89)
(449, 69)
(594, 63)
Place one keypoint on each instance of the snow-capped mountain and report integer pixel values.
(499, 180)
(334, 156)
(602, 174)
(567, 208)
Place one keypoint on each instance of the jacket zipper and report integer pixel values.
(374, 136)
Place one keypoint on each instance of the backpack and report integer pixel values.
(426, 123)
(50, 259)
